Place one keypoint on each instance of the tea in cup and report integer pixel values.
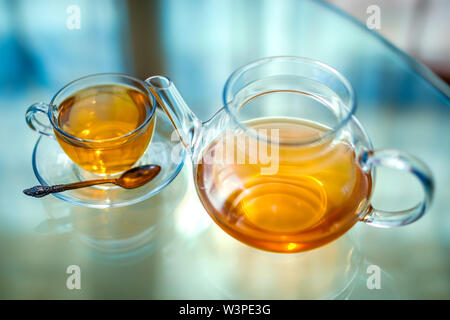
(103, 122)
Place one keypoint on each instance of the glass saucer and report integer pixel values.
(52, 166)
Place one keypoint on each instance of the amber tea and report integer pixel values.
(103, 119)
(317, 189)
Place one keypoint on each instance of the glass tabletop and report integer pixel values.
(167, 246)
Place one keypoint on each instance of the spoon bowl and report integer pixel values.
(138, 176)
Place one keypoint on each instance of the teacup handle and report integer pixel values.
(400, 161)
(34, 123)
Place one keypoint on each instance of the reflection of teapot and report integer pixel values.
(240, 272)
(285, 166)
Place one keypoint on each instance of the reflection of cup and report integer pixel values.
(119, 235)
(103, 122)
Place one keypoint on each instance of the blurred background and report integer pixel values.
(400, 73)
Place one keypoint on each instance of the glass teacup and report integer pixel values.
(103, 122)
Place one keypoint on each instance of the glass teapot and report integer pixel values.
(285, 166)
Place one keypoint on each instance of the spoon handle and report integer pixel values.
(41, 191)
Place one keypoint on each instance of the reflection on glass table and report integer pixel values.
(159, 248)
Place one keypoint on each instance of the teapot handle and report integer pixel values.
(404, 162)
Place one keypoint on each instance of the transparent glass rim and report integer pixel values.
(351, 105)
(60, 92)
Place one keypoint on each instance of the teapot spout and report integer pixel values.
(187, 125)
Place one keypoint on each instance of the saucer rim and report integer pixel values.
(105, 206)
